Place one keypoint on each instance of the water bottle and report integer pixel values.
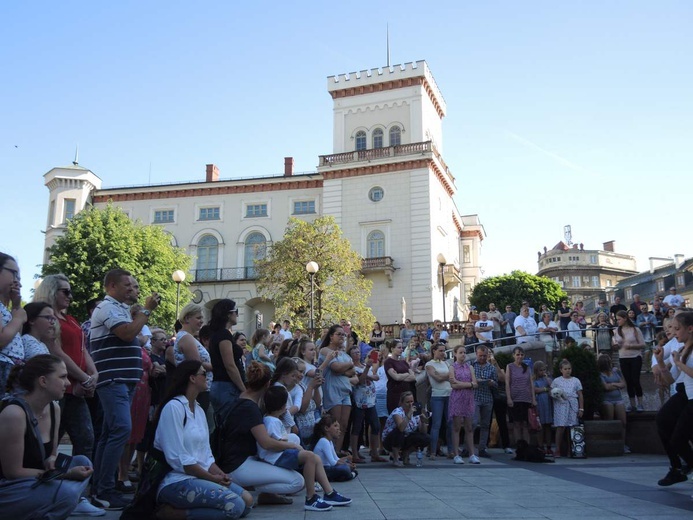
(419, 458)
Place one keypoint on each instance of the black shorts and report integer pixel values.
(519, 412)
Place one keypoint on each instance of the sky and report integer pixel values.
(558, 113)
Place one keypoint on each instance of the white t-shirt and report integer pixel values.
(275, 428)
(529, 326)
(487, 335)
(673, 300)
(546, 337)
(438, 388)
(287, 334)
(575, 331)
(324, 449)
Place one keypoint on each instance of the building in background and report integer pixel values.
(385, 183)
(585, 274)
(663, 274)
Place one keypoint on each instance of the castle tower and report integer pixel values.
(70, 189)
(389, 189)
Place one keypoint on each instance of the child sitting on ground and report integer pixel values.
(568, 408)
(296, 458)
(337, 469)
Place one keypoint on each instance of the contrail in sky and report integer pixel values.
(554, 156)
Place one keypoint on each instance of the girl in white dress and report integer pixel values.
(566, 410)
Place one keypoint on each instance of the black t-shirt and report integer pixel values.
(237, 440)
(615, 308)
(563, 322)
(218, 368)
(158, 384)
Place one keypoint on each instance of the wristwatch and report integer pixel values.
(146, 312)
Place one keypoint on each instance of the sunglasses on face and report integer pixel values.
(66, 292)
(48, 318)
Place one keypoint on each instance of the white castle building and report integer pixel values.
(385, 183)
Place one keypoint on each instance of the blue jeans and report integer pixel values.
(115, 399)
(204, 500)
(222, 395)
(75, 419)
(439, 410)
(482, 419)
(53, 500)
(338, 473)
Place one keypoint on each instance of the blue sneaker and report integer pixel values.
(335, 499)
(315, 503)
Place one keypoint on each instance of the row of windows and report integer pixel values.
(168, 216)
(554, 259)
(255, 248)
(377, 138)
(577, 281)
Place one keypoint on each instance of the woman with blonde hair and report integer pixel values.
(186, 347)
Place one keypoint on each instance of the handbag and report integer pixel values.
(533, 420)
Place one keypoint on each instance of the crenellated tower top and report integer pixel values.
(388, 78)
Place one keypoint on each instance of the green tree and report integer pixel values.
(513, 288)
(98, 240)
(341, 291)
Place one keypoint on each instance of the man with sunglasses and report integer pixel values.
(118, 358)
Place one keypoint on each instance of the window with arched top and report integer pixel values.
(207, 256)
(255, 249)
(360, 140)
(375, 244)
(378, 138)
(395, 136)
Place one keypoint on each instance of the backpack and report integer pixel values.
(154, 470)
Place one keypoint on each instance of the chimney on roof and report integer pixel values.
(288, 166)
(609, 246)
(678, 260)
(212, 173)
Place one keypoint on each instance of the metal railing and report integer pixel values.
(224, 274)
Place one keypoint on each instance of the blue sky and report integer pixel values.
(558, 112)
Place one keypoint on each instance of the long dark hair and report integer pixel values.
(327, 339)
(319, 430)
(686, 319)
(285, 366)
(178, 385)
(220, 314)
(33, 309)
(26, 375)
(4, 258)
(629, 322)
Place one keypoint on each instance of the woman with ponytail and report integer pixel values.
(30, 487)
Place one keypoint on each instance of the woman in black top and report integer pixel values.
(227, 358)
(237, 440)
(29, 447)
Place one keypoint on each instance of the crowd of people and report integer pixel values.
(287, 413)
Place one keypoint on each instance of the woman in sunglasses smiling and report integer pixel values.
(39, 329)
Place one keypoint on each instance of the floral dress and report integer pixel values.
(565, 411)
(461, 400)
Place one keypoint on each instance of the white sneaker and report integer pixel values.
(473, 459)
(457, 460)
(318, 488)
(509, 451)
(85, 508)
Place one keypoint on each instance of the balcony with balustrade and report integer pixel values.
(382, 264)
(224, 274)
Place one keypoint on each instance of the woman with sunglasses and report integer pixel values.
(69, 346)
(195, 483)
(11, 347)
(227, 352)
(39, 329)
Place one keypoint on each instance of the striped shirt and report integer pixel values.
(116, 360)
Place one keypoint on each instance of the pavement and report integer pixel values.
(599, 488)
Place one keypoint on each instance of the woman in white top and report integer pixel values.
(438, 372)
(195, 481)
(547, 330)
(39, 329)
(186, 347)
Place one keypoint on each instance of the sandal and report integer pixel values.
(377, 458)
(359, 460)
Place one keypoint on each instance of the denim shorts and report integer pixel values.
(288, 460)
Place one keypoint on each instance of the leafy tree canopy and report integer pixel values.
(98, 240)
(513, 288)
(341, 291)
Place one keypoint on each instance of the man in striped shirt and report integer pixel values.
(118, 358)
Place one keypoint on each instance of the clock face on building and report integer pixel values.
(197, 296)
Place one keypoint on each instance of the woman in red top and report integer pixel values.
(69, 346)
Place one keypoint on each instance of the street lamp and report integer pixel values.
(312, 268)
(441, 262)
(178, 277)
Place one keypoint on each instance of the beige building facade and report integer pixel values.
(385, 183)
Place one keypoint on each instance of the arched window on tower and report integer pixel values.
(360, 140)
(378, 138)
(255, 249)
(207, 255)
(395, 136)
(375, 244)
